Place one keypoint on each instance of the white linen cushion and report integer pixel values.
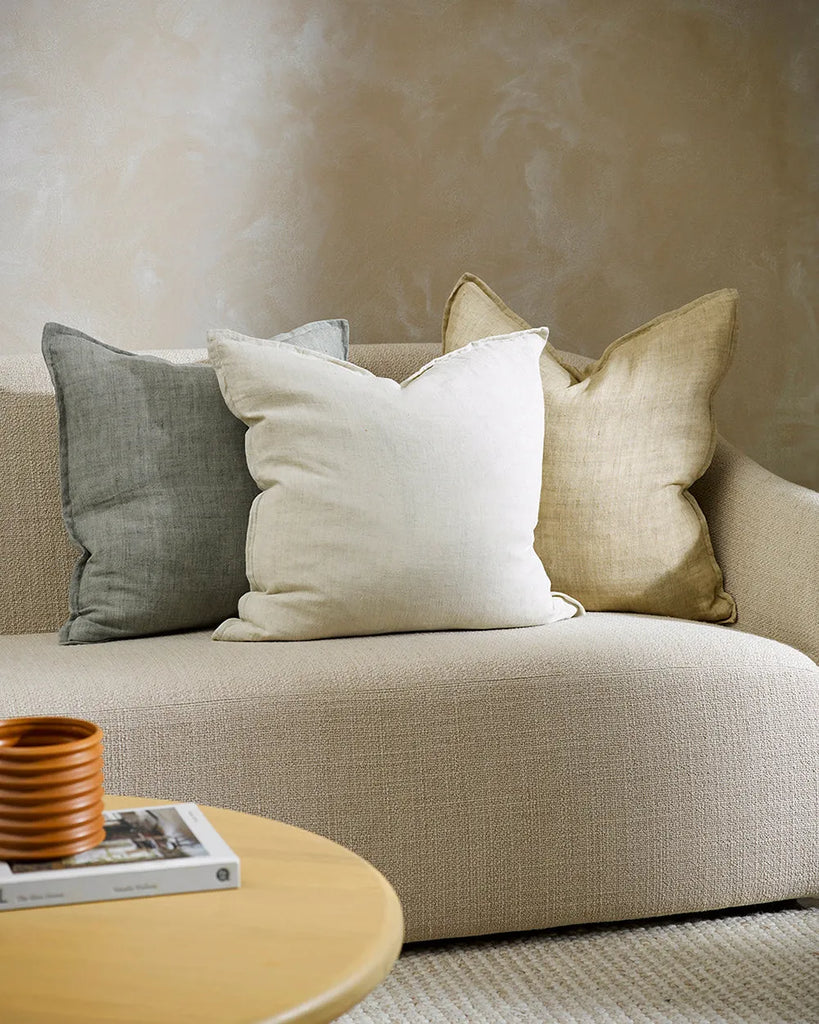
(390, 507)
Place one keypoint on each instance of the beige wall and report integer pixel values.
(169, 166)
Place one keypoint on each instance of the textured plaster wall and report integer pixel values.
(168, 166)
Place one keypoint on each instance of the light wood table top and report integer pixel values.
(311, 931)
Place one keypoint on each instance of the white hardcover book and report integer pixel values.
(147, 851)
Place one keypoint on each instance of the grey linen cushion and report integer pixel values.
(155, 487)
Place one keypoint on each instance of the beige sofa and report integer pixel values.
(608, 767)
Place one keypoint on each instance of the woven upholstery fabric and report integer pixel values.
(755, 966)
(155, 487)
(389, 507)
(396, 361)
(765, 532)
(625, 438)
(610, 766)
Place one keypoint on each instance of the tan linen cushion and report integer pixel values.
(611, 766)
(625, 437)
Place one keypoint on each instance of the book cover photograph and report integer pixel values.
(147, 851)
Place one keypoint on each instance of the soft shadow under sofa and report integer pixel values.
(606, 767)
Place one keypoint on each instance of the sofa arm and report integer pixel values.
(765, 533)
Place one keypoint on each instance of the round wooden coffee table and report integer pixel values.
(311, 931)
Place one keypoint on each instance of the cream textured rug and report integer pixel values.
(759, 966)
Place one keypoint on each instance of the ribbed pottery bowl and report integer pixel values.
(50, 787)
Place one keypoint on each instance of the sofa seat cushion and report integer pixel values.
(601, 768)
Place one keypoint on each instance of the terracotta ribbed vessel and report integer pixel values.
(50, 787)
